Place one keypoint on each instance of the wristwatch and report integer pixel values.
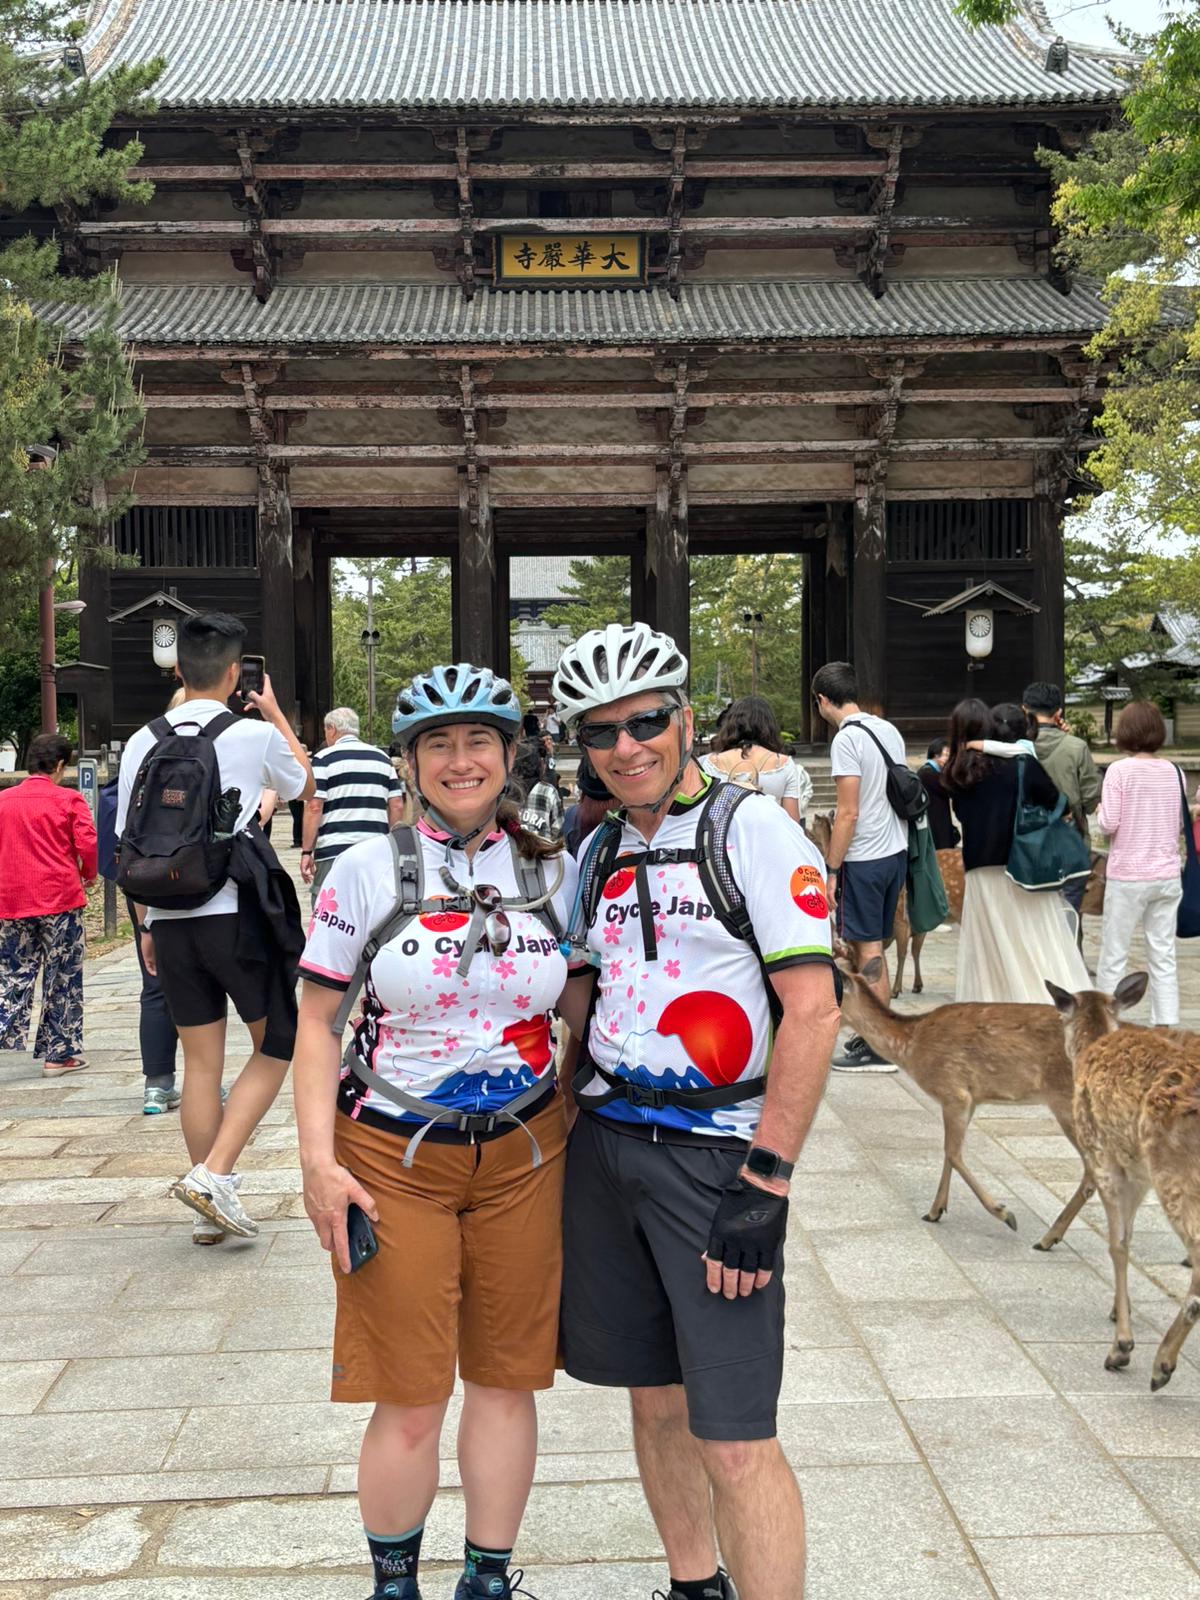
(764, 1163)
(304, 853)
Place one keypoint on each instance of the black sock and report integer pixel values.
(696, 1588)
(395, 1555)
(476, 1559)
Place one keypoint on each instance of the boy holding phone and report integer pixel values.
(195, 952)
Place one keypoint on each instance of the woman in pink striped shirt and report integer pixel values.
(1141, 809)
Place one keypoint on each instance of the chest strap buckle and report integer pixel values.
(641, 1094)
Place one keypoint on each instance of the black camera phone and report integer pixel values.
(253, 675)
(360, 1236)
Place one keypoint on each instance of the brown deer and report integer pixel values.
(1137, 1112)
(969, 1054)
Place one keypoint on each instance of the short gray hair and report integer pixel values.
(342, 719)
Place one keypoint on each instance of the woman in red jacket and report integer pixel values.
(48, 850)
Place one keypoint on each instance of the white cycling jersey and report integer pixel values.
(699, 1015)
(471, 1044)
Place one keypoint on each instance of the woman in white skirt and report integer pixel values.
(1012, 939)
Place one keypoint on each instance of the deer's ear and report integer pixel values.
(873, 970)
(1130, 990)
(1064, 1002)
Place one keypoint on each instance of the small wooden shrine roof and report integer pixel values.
(438, 314)
(623, 55)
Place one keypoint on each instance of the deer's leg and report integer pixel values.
(1189, 1314)
(1085, 1191)
(900, 934)
(956, 1118)
(1122, 1195)
(917, 944)
(941, 1200)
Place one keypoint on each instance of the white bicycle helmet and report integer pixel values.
(607, 664)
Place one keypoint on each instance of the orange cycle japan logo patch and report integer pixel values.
(808, 891)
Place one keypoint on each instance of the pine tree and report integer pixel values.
(53, 155)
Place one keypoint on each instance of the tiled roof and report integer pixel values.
(354, 314)
(622, 54)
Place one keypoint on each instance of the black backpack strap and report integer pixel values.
(720, 884)
(161, 729)
(597, 869)
(530, 874)
(216, 726)
(408, 866)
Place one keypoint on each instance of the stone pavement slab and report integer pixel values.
(165, 1432)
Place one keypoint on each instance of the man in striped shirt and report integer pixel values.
(358, 796)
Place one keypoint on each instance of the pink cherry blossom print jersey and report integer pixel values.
(468, 1044)
(698, 1016)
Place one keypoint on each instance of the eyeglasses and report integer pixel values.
(645, 726)
(495, 919)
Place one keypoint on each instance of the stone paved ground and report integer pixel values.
(165, 1434)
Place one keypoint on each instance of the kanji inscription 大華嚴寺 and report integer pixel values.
(595, 259)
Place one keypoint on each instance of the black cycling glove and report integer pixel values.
(748, 1228)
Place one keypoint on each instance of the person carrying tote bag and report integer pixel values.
(1047, 851)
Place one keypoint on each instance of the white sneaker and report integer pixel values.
(206, 1232)
(215, 1197)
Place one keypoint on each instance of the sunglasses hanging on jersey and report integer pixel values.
(645, 726)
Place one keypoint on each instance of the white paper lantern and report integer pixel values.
(164, 637)
(980, 628)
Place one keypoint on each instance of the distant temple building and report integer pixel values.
(504, 278)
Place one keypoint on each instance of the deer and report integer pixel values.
(968, 1054)
(1137, 1113)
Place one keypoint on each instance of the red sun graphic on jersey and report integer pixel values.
(616, 886)
(531, 1037)
(715, 1032)
(808, 891)
(444, 921)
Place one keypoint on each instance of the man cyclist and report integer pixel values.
(677, 1179)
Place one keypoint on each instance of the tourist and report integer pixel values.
(1068, 763)
(225, 948)
(941, 823)
(590, 808)
(447, 1129)
(48, 847)
(868, 847)
(357, 796)
(542, 808)
(1141, 810)
(684, 1146)
(1013, 939)
(747, 749)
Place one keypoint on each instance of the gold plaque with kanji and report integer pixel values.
(591, 259)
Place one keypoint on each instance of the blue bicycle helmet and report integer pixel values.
(459, 693)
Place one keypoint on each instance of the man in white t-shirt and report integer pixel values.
(194, 952)
(868, 850)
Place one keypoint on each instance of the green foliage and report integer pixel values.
(1083, 725)
(598, 594)
(412, 615)
(20, 672)
(981, 12)
(53, 154)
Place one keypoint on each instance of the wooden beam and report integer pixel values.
(262, 258)
(607, 397)
(466, 213)
(345, 173)
(870, 541)
(882, 203)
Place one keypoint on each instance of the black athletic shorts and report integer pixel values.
(200, 972)
(636, 1310)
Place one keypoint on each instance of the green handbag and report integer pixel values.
(1047, 851)
(928, 907)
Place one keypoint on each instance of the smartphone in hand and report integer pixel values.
(360, 1236)
(253, 675)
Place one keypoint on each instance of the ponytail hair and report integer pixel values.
(529, 844)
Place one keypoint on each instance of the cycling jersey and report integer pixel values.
(471, 1044)
(699, 1015)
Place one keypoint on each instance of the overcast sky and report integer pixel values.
(1087, 21)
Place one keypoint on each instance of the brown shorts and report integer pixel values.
(469, 1265)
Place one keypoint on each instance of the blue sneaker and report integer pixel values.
(491, 1586)
(397, 1589)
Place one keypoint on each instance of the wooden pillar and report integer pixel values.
(474, 589)
(869, 635)
(811, 609)
(276, 583)
(1046, 550)
(502, 645)
(668, 566)
(95, 645)
(837, 588)
(640, 581)
(305, 604)
(323, 633)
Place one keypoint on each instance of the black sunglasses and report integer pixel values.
(490, 901)
(646, 725)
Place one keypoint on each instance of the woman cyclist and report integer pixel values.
(446, 1127)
